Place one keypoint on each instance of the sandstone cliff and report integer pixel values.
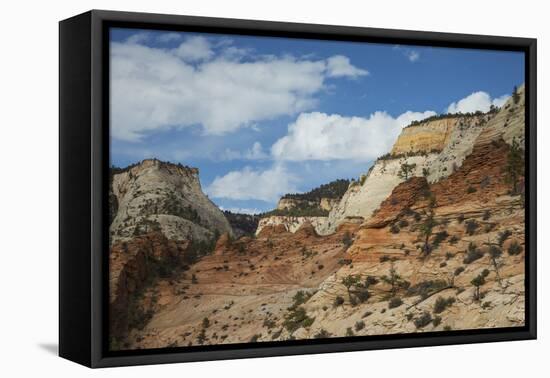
(154, 195)
(434, 147)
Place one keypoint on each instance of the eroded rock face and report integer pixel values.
(435, 148)
(134, 265)
(154, 195)
(290, 224)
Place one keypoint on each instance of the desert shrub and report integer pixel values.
(423, 320)
(472, 254)
(439, 237)
(297, 318)
(486, 305)
(395, 302)
(366, 314)
(502, 236)
(442, 303)
(359, 325)
(403, 223)
(254, 338)
(436, 321)
(460, 218)
(409, 316)
(201, 338)
(443, 264)
(453, 240)
(269, 323)
(394, 229)
(338, 301)
(300, 297)
(425, 288)
(449, 255)
(205, 323)
(347, 240)
(385, 258)
(417, 217)
(459, 270)
(471, 226)
(486, 215)
(362, 295)
(447, 328)
(471, 190)
(514, 248)
(322, 334)
(349, 332)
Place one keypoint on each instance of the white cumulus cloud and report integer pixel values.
(477, 101)
(320, 136)
(340, 66)
(197, 83)
(249, 184)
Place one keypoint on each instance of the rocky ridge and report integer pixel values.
(158, 196)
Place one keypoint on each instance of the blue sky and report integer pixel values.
(261, 117)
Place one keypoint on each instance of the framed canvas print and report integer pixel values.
(234, 188)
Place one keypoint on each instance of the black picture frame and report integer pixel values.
(83, 180)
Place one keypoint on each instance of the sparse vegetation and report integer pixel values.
(406, 170)
(394, 229)
(322, 334)
(514, 248)
(478, 281)
(442, 303)
(471, 226)
(395, 281)
(297, 318)
(486, 215)
(423, 320)
(458, 270)
(515, 167)
(471, 190)
(426, 229)
(426, 288)
(395, 302)
(359, 325)
(347, 240)
(472, 254)
(503, 236)
(338, 301)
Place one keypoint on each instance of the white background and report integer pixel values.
(29, 187)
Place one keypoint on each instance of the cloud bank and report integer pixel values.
(216, 87)
(247, 184)
(320, 136)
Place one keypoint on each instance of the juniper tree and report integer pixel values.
(406, 170)
(515, 166)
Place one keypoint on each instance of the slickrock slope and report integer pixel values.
(426, 248)
(154, 195)
(435, 147)
(243, 289)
